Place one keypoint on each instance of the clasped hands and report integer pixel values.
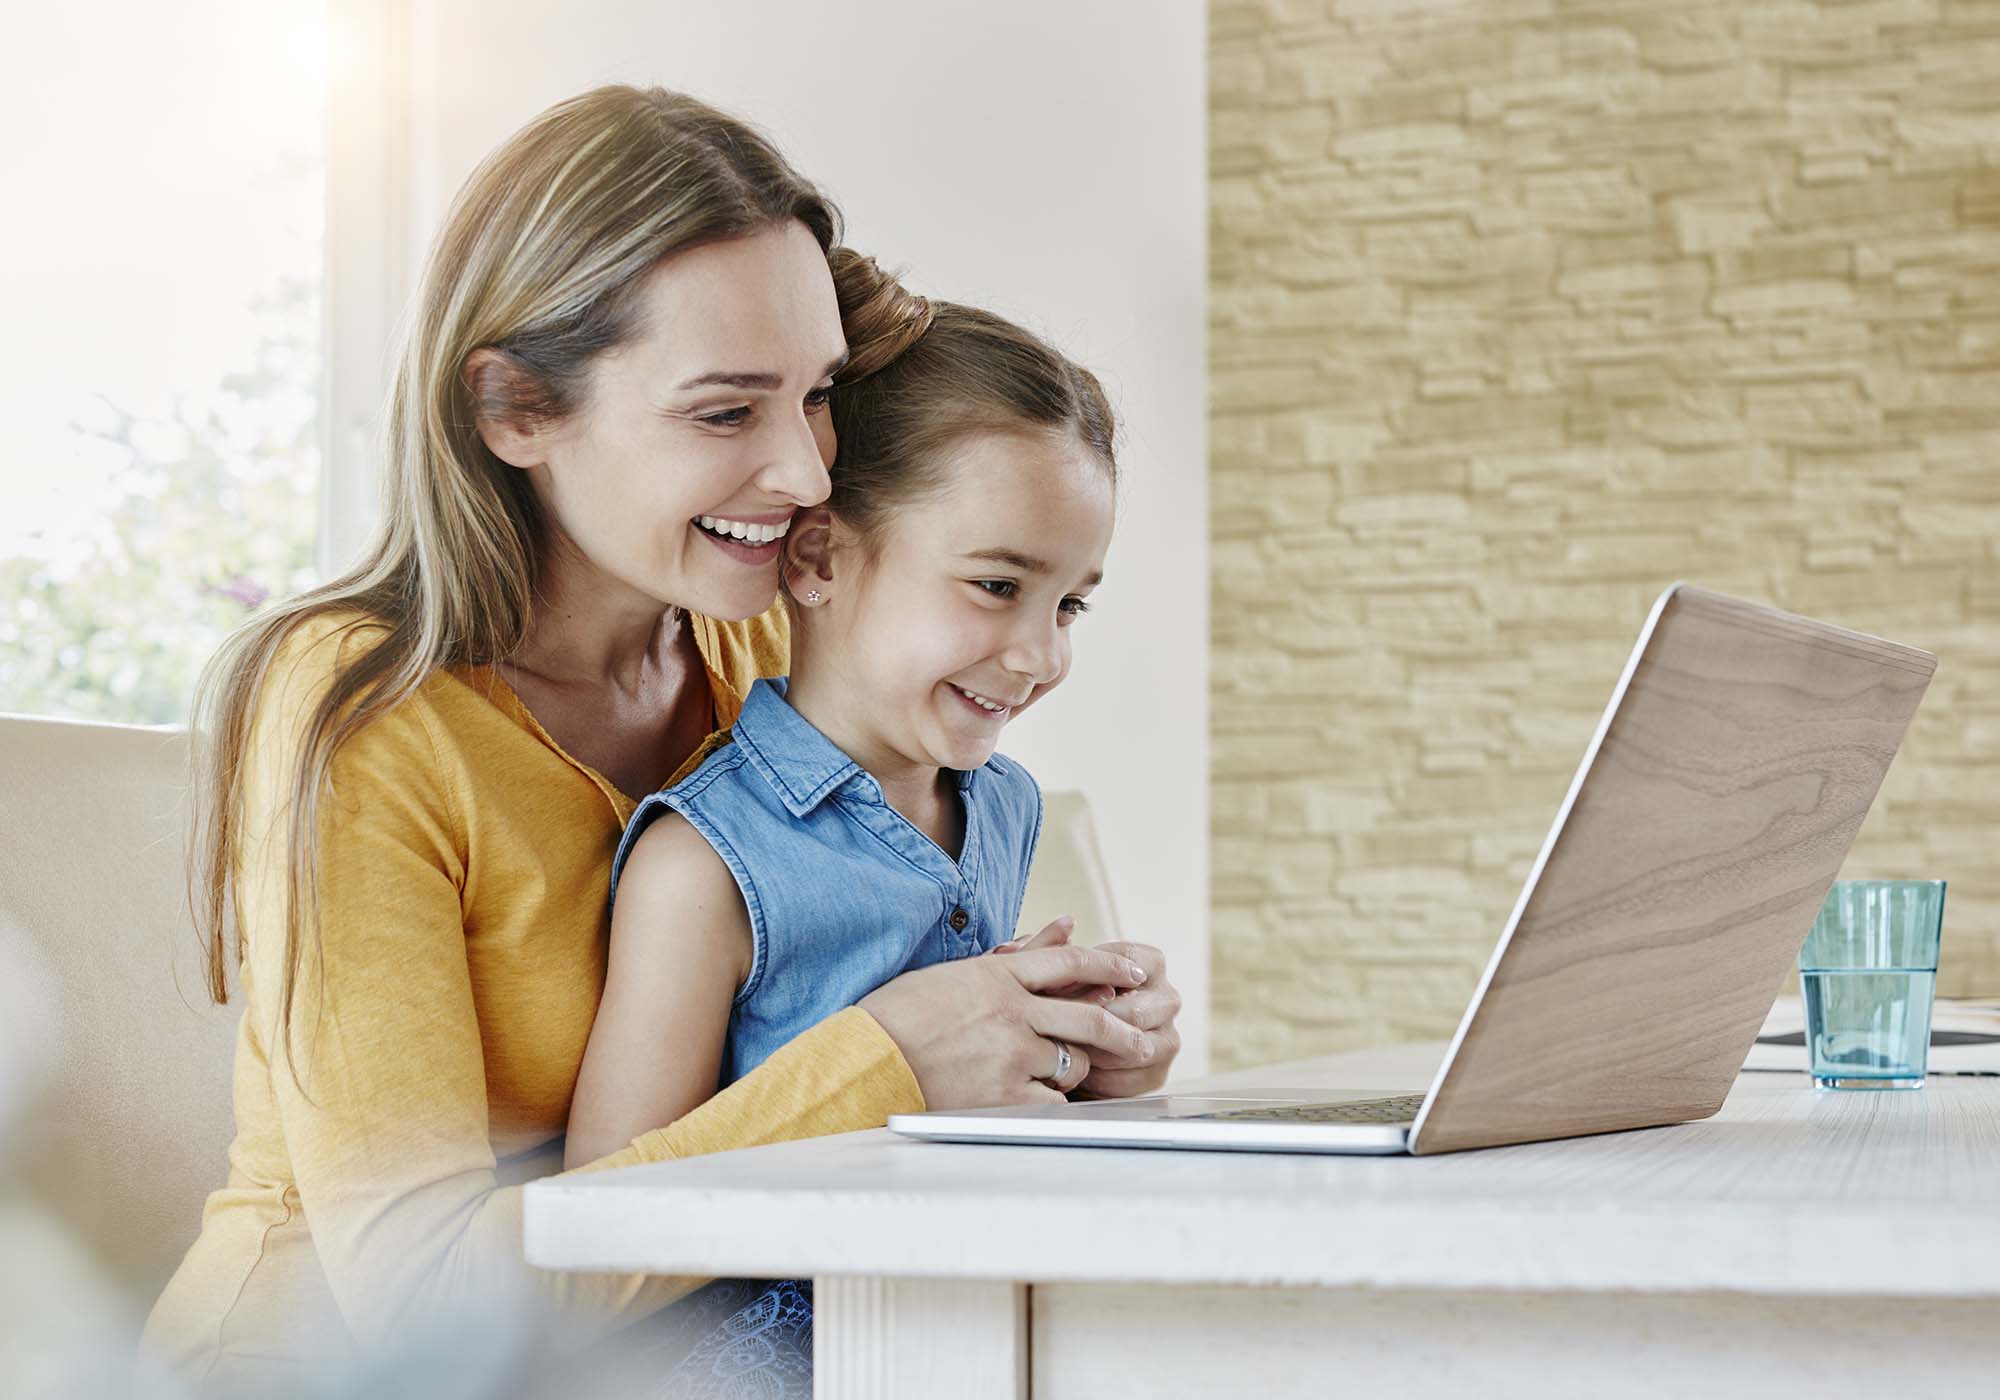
(1149, 1008)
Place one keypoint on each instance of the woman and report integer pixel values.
(613, 387)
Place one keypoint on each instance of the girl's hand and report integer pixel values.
(1055, 934)
(984, 1032)
(1151, 1008)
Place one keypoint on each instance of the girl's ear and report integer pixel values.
(488, 376)
(809, 556)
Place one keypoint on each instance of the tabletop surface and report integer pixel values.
(1786, 1190)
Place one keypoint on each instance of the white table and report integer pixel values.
(1800, 1242)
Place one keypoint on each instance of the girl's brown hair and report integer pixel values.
(923, 375)
(541, 256)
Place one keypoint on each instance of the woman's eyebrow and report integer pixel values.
(753, 378)
(1026, 563)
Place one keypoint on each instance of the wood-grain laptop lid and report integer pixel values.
(1734, 764)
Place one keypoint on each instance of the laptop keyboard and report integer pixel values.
(1401, 1109)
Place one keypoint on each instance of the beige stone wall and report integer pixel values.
(1522, 309)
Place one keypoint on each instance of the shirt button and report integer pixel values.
(959, 919)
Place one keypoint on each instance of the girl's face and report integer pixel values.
(703, 436)
(961, 618)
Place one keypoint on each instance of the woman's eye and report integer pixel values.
(998, 587)
(1072, 607)
(728, 418)
(819, 398)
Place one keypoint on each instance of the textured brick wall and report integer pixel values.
(1520, 311)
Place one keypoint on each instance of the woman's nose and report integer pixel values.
(799, 461)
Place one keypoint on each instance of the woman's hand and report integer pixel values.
(983, 1032)
(1150, 1008)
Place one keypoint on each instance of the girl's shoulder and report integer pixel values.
(1006, 783)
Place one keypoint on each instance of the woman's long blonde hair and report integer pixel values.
(541, 257)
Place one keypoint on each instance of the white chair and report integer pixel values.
(131, 1125)
(1068, 875)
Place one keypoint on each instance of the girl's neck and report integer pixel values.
(924, 793)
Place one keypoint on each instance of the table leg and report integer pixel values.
(919, 1339)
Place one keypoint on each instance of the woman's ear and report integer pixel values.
(493, 378)
(809, 556)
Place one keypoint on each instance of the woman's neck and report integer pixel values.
(594, 632)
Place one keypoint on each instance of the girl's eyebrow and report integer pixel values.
(753, 378)
(1026, 563)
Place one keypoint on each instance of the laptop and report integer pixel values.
(1739, 753)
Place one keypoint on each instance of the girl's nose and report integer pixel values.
(1036, 650)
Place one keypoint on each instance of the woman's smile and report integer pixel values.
(754, 539)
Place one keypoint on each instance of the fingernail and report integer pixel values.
(1138, 972)
(1069, 920)
(1011, 945)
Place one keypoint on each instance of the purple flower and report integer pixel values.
(243, 590)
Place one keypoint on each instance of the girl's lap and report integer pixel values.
(736, 1339)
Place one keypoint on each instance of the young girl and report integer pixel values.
(856, 822)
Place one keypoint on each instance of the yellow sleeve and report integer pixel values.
(386, 1127)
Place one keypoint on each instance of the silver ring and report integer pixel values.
(1063, 1062)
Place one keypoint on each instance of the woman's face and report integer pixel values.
(700, 438)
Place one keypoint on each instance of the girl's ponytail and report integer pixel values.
(881, 316)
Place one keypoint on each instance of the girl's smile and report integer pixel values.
(991, 708)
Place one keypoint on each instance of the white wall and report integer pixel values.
(1044, 158)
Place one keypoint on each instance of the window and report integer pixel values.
(159, 479)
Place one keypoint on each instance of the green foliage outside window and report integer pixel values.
(215, 511)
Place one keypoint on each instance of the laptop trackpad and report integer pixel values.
(1202, 1105)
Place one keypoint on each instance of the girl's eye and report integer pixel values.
(998, 587)
(819, 398)
(1072, 607)
(728, 418)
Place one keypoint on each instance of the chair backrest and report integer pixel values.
(131, 1125)
(1068, 876)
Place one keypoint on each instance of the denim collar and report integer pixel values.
(802, 765)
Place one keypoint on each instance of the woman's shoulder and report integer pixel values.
(315, 657)
(308, 657)
(317, 651)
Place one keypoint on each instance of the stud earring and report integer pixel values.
(812, 595)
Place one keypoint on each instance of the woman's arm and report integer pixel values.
(386, 1127)
(680, 947)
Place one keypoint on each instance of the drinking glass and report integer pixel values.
(1867, 974)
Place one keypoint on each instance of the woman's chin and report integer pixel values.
(732, 600)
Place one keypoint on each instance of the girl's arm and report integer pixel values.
(680, 947)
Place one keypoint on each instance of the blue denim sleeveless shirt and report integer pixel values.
(844, 892)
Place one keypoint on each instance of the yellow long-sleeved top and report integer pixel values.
(464, 865)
